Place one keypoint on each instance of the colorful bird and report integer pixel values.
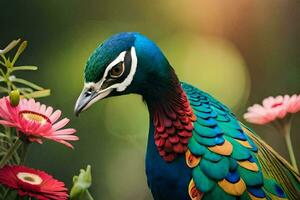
(197, 148)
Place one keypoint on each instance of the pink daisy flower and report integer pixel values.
(33, 183)
(273, 108)
(36, 121)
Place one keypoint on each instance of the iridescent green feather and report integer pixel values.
(202, 181)
(218, 193)
(215, 170)
(274, 166)
(215, 124)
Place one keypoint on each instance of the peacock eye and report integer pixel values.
(117, 70)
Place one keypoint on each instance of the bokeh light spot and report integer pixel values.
(211, 64)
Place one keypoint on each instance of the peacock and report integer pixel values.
(197, 148)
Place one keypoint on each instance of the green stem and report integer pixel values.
(6, 193)
(24, 151)
(8, 131)
(287, 136)
(10, 152)
(89, 196)
(10, 194)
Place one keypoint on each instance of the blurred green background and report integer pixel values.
(239, 51)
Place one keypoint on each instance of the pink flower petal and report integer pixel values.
(272, 109)
(64, 137)
(42, 109)
(48, 111)
(7, 123)
(67, 131)
(60, 124)
(36, 121)
(54, 117)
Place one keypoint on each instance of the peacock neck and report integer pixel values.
(172, 118)
(163, 92)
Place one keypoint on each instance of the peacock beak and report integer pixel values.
(83, 100)
(89, 97)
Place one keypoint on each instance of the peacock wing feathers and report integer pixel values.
(273, 165)
(224, 156)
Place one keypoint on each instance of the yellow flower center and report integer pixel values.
(30, 178)
(36, 117)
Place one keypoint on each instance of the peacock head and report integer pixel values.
(125, 63)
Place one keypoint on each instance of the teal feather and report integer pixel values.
(257, 192)
(205, 131)
(233, 165)
(232, 132)
(219, 110)
(211, 156)
(271, 186)
(245, 196)
(203, 134)
(209, 122)
(204, 140)
(231, 125)
(215, 170)
(196, 148)
(203, 109)
(202, 182)
(253, 145)
(205, 115)
(222, 118)
(251, 178)
(239, 151)
(218, 194)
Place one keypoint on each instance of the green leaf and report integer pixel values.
(38, 94)
(3, 90)
(2, 63)
(3, 150)
(3, 135)
(5, 142)
(25, 68)
(21, 48)
(10, 46)
(2, 73)
(10, 153)
(11, 195)
(25, 90)
(25, 82)
(3, 153)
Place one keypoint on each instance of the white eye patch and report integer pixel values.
(127, 81)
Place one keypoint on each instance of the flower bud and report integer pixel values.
(14, 97)
(81, 183)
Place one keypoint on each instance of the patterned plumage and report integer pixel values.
(197, 149)
(228, 160)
